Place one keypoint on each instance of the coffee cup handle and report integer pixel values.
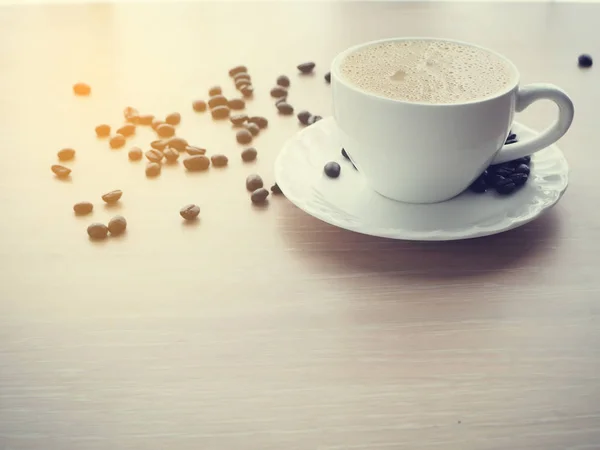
(525, 97)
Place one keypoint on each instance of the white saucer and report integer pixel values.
(348, 202)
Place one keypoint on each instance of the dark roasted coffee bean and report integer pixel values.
(126, 130)
(254, 182)
(519, 178)
(249, 154)
(278, 92)
(159, 144)
(154, 155)
(505, 187)
(83, 208)
(171, 155)
(97, 231)
(196, 163)
(238, 119)
(585, 61)
(480, 185)
(280, 100)
(219, 160)
(117, 141)
(259, 196)
(173, 118)
(189, 212)
(510, 141)
(135, 154)
(306, 67)
(66, 154)
(82, 89)
(103, 130)
(328, 77)
(199, 105)
(217, 100)
(145, 119)
(242, 76)
(283, 81)
(243, 136)
(242, 83)
(247, 91)
(60, 171)
(253, 129)
(285, 109)
(275, 189)
(165, 130)
(236, 103)
(511, 136)
(194, 151)
(220, 112)
(131, 114)
(494, 179)
(237, 69)
(112, 196)
(332, 169)
(156, 123)
(215, 90)
(522, 168)
(262, 122)
(314, 119)
(117, 225)
(345, 154)
(153, 169)
(504, 171)
(177, 143)
(523, 160)
(303, 117)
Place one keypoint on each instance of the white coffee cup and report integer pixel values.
(427, 153)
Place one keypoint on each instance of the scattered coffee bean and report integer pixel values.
(103, 130)
(131, 114)
(219, 160)
(194, 151)
(173, 118)
(259, 196)
(117, 225)
(247, 91)
(238, 119)
(237, 69)
(159, 144)
(262, 122)
(165, 130)
(254, 182)
(280, 100)
(220, 112)
(303, 117)
(306, 67)
(283, 81)
(60, 171)
(126, 130)
(83, 208)
(275, 189)
(253, 129)
(82, 89)
(332, 169)
(66, 154)
(199, 105)
(177, 143)
(236, 104)
(242, 83)
(112, 196)
(196, 163)
(242, 76)
(215, 90)
(328, 77)
(585, 61)
(117, 141)
(153, 169)
(278, 92)
(249, 154)
(189, 212)
(154, 155)
(135, 154)
(217, 100)
(97, 231)
(285, 108)
(156, 123)
(171, 155)
(243, 136)
(314, 119)
(145, 119)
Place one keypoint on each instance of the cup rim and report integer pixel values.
(335, 71)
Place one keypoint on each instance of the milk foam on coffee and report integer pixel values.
(427, 71)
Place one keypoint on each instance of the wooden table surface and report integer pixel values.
(265, 328)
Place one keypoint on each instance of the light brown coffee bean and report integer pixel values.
(103, 130)
(117, 141)
(283, 81)
(127, 130)
(236, 104)
(247, 91)
(243, 136)
(153, 169)
(242, 76)
(219, 160)
(253, 129)
(159, 144)
(189, 212)
(156, 122)
(154, 155)
(254, 182)
(238, 119)
(259, 196)
(177, 143)
(135, 154)
(249, 154)
(173, 119)
(82, 89)
(131, 114)
(196, 163)
(220, 112)
(112, 196)
(306, 67)
(60, 171)
(165, 130)
(194, 151)
(83, 208)
(66, 154)
(262, 122)
(242, 83)
(145, 119)
(215, 90)
(278, 92)
(171, 155)
(217, 100)
(237, 69)
(285, 109)
(199, 105)
(117, 225)
(97, 231)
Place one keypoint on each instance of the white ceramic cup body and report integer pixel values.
(427, 153)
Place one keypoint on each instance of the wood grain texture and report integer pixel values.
(265, 328)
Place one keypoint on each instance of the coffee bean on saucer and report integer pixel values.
(237, 69)
(253, 129)
(60, 171)
(173, 119)
(480, 185)
(313, 119)
(215, 90)
(259, 196)
(332, 169)
(505, 186)
(278, 92)
(189, 212)
(66, 154)
(135, 154)
(242, 76)
(97, 231)
(196, 163)
(112, 196)
(247, 91)
(117, 141)
(83, 208)
(82, 89)
(523, 160)
(156, 122)
(194, 151)
(328, 77)
(275, 189)
(585, 61)
(262, 122)
(283, 81)
(171, 155)
(159, 144)
(249, 154)
(165, 130)
(217, 100)
(511, 136)
(126, 130)
(522, 168)
(117, 225)
(131, 114)
(243, 136)
(236, 104)
(154, 155)
(145, 119)
(219, 160)
(153, 169)
(303, 117)
(199, 105)
(220, 112)
(103, 130)
(177, 143)
(238, 119)
(306, 67)
(511, 140)
(519, 178)
(254, 182)
(285, 109)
